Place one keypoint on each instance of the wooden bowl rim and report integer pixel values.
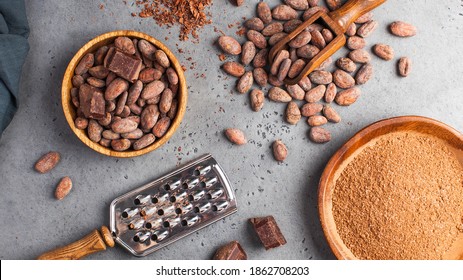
(340, 250)
(67, 106)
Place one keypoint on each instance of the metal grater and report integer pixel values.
(171, 207)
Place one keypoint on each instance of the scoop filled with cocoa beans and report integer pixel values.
(128, 95)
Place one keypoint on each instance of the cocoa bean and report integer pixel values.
(330, 114)
(348, 96)
(315, 94)
(116, 88)
(254, 24)
(360, 56)
(321, 77)
(272, 29)
(305, 83)
(364, 74)
(367, 28)
(260, 60)
(166, 101)
(81, 123)
(264, 13)
(257, 38)
(100, 54)
(296, 68)
(121, 103)
(235, 135)
(120, 145)
(404, 66)
(233, 68)
(94, 130)
(316, 120)
(248, 52)
(149, 74)
(134, 92)
(144, 142)
(384, 51)
(172, 76)
(295, 91)
(244, 84)
(364, 18)
(356, 42)
(260, 76)
(301, 5)
(125, 45)
(229, 45)
(147, 50)
(310, 109)
(319, 135)
(99, 72)
(84, 64)
(334, 4)
(123, 126)
(342, 79)
(346, 64)
(307, 51)
(402, 29)
(317, 39)
(330, 92)
(351, 30)
(277, 37)
(312, 11)
(136, 134)
(291, 25)
(110, 135)
(279, 57)
(279, 95)
(161, 57)
(148, 118)
(284, 69)
(292, 113)
(63, 188)
(161, 127)
(152, 90)
(300, 40)
(280, 152)
(284, 12)
(257, 100)
(47, 162)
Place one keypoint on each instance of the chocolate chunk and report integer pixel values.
(124, 65)
(268, 231)
(231, 251)
(92, 103)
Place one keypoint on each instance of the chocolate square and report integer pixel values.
(123, 65)
(268, 232)
(92, 103)
(231, 251)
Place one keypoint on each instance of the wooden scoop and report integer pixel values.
(337, 21)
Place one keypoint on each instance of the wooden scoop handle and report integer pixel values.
(91, 243)
(352, 10)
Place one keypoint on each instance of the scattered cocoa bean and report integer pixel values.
(319, 135)
(272, 28)
(279, 95)
(364, 74)
(316, 120)
(277, 37)
(367, 28)
(63, 188)
(296, 91)
(321, 77)
(346, 64)
(347, 97)
(317, 39)
(244, 84)
(279, 57)
(264, 12)
(300, 40)
(260, 76)
(254, 24)
(356, 42)
(257, 38)
(280, 152)
(404, 66)
(315, 94)
(301, 5)
(235, 135)
(260, 60)
(248, 52)
(229, 45)
(284, 69)
(342, 79)
(233, 68)
(330, 114)
(364, 18)
(284, 12)
(307, 51)
(292, 113)
(310, 109)
(257, 100)
(383, 51)
(360, 56)
(47, 162)
(296, 68)
(402, 29)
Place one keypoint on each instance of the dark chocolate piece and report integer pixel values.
(92, 103)
(123, 65)
(268, 231)
(231, 251)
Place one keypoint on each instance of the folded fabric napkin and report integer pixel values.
(14, 30)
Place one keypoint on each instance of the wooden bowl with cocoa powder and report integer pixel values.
(395, 233)
(70, 111)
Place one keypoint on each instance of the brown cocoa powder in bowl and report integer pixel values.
(400, 198)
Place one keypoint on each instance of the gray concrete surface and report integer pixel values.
(33, 222)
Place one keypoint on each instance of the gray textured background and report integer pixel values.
(33, 222)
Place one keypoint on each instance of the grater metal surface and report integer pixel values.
(171, 207)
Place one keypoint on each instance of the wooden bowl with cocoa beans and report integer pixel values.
(124, 94)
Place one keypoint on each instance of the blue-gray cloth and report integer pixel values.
(14, 31)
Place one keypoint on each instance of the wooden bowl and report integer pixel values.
(70, 111)
(345, 154)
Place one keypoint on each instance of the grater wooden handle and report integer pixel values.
(93, 242)
(352, 10)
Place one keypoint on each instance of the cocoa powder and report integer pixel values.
(400, 198)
